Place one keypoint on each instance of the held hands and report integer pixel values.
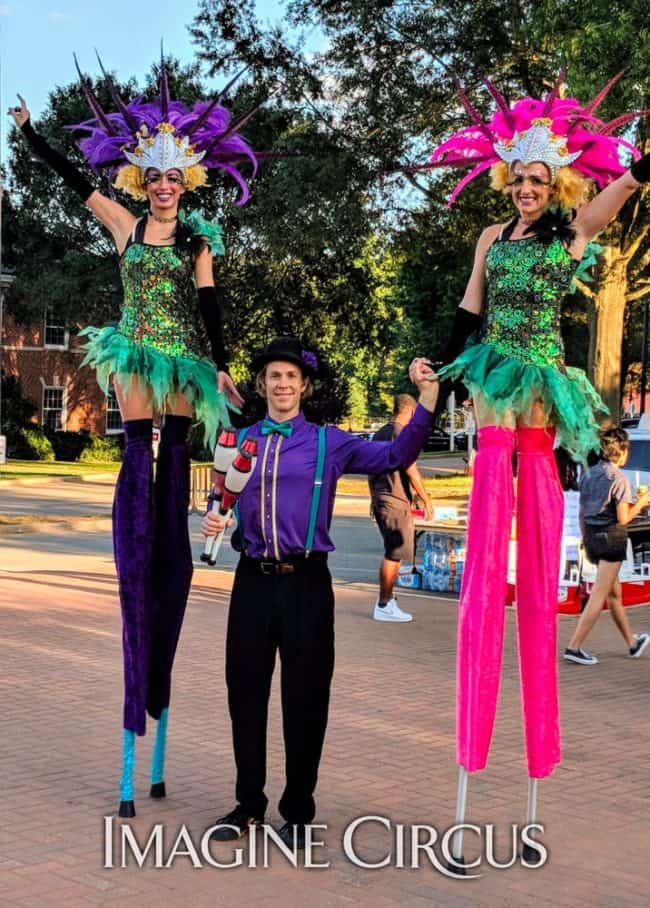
(20, 114)
(426, 381)
(226, 385)
(214, 522)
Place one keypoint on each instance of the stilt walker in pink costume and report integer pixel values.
(507, 348)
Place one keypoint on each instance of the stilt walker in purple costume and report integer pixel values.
(507, 348)
(158, 358)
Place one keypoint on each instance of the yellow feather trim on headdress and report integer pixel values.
(129, 179)
(195, 176)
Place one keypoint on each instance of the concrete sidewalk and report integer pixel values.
(389, 752)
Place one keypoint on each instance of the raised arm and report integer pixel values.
(117, 219)
(353, 455)
(596, 214)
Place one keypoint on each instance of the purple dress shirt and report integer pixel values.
(274, 506)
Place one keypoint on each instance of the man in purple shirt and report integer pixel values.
(282, 596)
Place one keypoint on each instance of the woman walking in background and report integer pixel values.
(605, 510)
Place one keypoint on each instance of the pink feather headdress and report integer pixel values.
(557, 131)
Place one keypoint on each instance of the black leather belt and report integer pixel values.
(289, 565)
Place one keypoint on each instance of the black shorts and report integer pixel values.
(396, 527)
(605, 543)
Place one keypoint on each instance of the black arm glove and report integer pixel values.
(640, 170)
(60, 164)
(465, 324)
(212, 315)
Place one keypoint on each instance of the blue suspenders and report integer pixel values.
(316, 490)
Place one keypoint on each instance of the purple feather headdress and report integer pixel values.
(556, 131)
(166, 135)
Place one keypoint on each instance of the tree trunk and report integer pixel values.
(606, 336)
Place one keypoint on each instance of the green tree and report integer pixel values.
(384, 86)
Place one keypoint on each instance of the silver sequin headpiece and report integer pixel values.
(163, 151)
(538, 143)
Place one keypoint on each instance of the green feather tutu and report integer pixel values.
(507, 383)
(110, 353)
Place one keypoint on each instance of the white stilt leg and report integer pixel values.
(461, 804)
(529, 853)
(531, 812)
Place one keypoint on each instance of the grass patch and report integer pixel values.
(37, 469)
(438, 487)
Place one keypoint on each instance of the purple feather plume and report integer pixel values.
(209, 124)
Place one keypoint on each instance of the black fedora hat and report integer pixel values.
(287, 350)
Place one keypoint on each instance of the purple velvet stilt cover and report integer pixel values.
(172, 558)
(132, 546)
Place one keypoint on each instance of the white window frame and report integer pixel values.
(64, 406)
(48, 322)
(110, 398)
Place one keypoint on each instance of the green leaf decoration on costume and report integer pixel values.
(211, 230)
(588, 260)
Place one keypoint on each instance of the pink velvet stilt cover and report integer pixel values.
(483, 596)
(540, 509)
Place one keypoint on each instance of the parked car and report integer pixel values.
(366, 435)
(439, 440)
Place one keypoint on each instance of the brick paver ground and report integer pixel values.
(389, 752)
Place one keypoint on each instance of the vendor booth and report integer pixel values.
(440, 558)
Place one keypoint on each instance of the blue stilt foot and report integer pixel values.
(158, 790)
(127, 809)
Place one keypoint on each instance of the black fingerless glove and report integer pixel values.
(59, 164)
(640, 170)
(212, 315)
(465, 324)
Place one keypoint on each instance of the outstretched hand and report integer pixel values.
(20, 114)
(421, 373)
(425, 380)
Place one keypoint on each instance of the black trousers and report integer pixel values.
(292, 613)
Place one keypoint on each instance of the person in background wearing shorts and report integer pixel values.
(605, 510)
(391, 498)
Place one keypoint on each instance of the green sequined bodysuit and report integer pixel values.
(520, 356)
(160, 308)
(160, 337)
(526, 281)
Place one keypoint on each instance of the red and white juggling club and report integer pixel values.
(239, 472)
(224, 454)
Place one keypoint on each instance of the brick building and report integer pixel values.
(46, 358)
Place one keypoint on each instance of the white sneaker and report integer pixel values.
(390, 612)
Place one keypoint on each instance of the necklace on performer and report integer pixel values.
(162, 220)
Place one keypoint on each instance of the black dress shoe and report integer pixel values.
(293, 835)
(234, 825)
